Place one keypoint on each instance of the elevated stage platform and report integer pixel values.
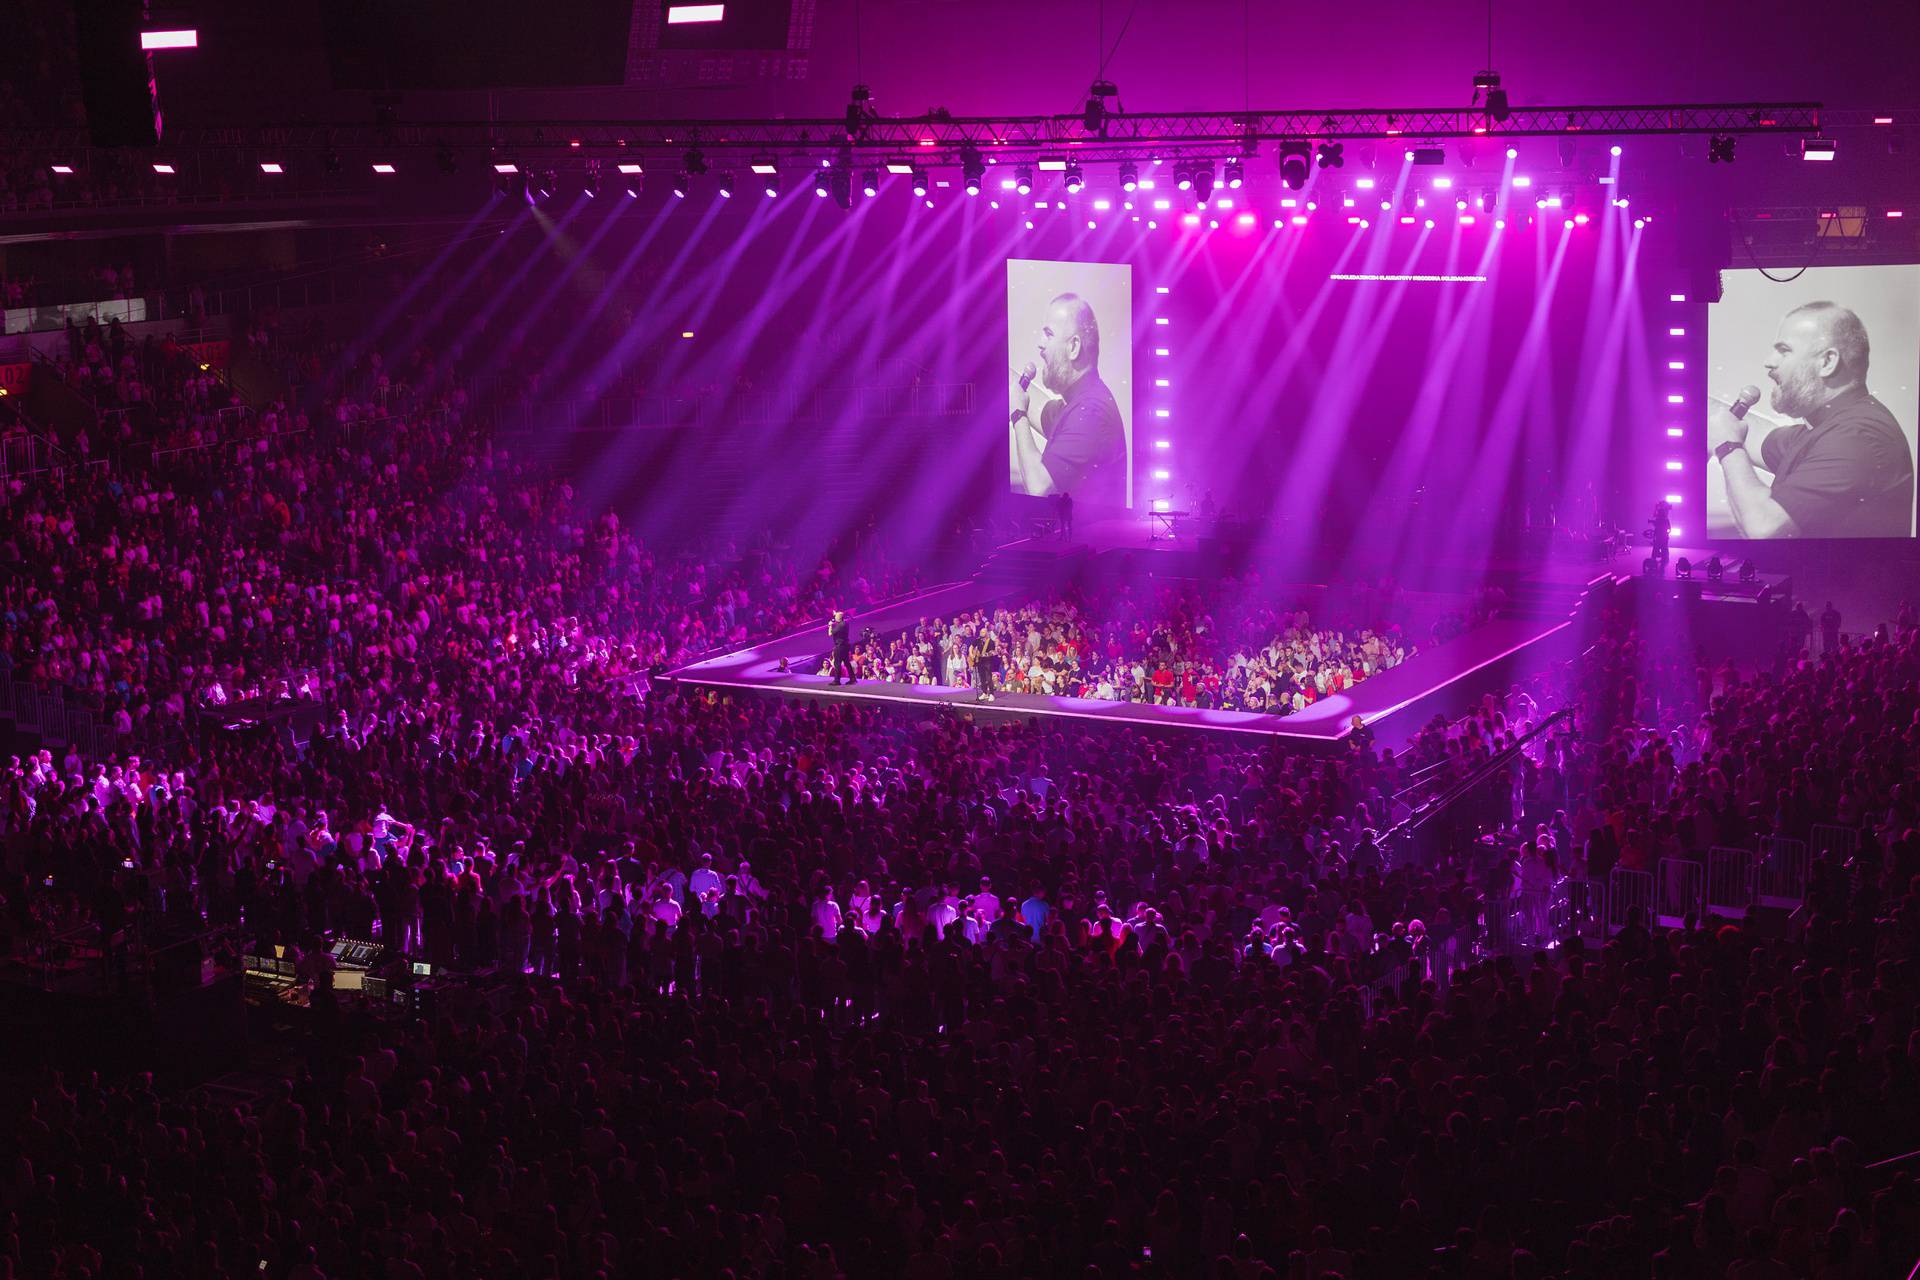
(1539, 629)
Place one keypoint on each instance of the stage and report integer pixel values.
(1394, 703)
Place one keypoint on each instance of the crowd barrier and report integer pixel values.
(1627, 889)
(1729, 882)
(1780, 875)
(62, 722)
(1679, 892)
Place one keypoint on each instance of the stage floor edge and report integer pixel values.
(1407, 695)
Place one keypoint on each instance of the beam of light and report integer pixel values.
(1616, 374)
(552, 242)
(1362, 337)
(1527, 392)
(444, 296)
(573, 260)
(1453, 381)
(699, 283)
(561, 362)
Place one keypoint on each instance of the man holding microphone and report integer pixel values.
(1848, 471)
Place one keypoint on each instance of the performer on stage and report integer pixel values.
(840, 631)
(985, 653)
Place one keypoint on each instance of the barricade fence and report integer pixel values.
(1679, 892)
(1626, 890)
(1729, 882)
(1780, 874)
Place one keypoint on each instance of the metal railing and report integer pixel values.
(64, 719)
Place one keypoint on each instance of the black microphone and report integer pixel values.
(1749, 397)
(1027, 375)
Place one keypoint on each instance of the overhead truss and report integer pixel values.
(869, 137)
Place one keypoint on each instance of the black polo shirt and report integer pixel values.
(1086, 443)
(1848, 473)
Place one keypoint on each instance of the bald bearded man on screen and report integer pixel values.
(1847, 472)
(1072, 440)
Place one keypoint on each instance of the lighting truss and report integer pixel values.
(1126, 134)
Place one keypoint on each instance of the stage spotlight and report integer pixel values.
(1427, 155)
(1183, 177)
(1569, 152)
(1817, 148)
(1748, 573)
(445, 157)
(973, 170)
(1236, 175)
(725, 186)
(1129, 176)
(841, 183)
(764, 165)
(1331, 155)
(870, 182)
(682, 182)
(1650, 567)
(333, 162)
(592, 184)
(695, 162)
(1295, 161)
(1076, 178)
(1720, 149)
(1715, 570)
(771, 186)
(1022, 180)
(821, 181)
(918, 176)
(1683, 569)
(1203, 182)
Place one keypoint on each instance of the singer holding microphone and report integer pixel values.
(1071, 439)
(1847, 472)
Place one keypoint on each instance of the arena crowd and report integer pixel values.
(764, 988)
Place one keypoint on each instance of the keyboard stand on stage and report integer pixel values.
(1165, 525)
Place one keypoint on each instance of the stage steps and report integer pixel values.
(1535, 600)
(1034, 564)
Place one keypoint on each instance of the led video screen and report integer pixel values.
(1813, 395)
(1070, 381)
